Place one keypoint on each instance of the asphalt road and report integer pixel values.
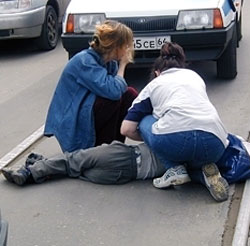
(27, 80)
(71, 212)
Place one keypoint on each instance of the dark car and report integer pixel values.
(3, 231)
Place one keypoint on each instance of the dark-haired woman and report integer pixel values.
(175, 118)
(92, 96)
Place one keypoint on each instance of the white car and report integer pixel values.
(39, 19)
(206, 29)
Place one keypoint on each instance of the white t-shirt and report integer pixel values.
(178, 99)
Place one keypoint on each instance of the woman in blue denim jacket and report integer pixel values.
(92, 96)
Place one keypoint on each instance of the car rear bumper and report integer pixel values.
(26, 24)
(198, 45)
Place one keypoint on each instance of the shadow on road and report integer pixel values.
(8, 47)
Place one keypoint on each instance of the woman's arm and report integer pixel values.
(125, 59)
(98, 79)
(130, 129)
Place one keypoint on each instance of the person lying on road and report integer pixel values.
(115, 163)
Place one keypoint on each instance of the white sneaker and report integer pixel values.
(215, 183)
(173, 176)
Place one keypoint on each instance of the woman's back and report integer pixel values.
(180, 103)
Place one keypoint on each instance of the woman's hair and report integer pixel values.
(111, 35)
(171, 55)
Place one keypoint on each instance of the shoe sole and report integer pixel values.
(8, 175)
(216, 184)
(11, 177)
(18, 180)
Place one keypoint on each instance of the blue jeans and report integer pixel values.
(194, 148)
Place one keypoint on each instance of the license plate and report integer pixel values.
(150, 43)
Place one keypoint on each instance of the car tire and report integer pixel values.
(50, 31)
(3, 231)
(227, 63)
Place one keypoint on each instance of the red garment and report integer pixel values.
(108, 116)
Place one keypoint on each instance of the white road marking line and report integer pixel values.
(20, 148)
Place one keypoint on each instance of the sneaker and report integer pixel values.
(173, 176)
(215, 183)
(19, 176)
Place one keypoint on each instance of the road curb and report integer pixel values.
(243, 220)
(20, 148)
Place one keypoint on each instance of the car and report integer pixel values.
(206, 29)
(3, 231)
(39, 19)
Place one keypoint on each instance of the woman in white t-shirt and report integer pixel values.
(176, 119)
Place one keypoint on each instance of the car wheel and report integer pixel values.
(227, 63)
(3, 231)
(49, 36)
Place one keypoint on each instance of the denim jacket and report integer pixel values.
(70, 115)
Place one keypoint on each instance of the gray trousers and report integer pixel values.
(106, 164)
